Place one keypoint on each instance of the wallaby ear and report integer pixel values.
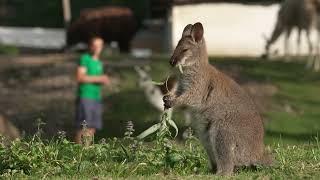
(197, 32)
(187, 30)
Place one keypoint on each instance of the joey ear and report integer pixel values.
(197, 32)
(187, 30)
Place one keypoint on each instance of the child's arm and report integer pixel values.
(82, 77)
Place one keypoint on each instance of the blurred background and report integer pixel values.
(41, 42)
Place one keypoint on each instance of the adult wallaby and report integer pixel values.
(300, 14)
(228, 123)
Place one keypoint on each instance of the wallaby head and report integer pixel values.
(190, 47)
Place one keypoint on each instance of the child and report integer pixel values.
(90, 78)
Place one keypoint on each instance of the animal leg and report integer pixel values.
(299, 42)
(312, 58)
(317, 55)
(211, 156)
(286, 42)
(278, 29)
(209, 147)
(224, 153)
(309, 42)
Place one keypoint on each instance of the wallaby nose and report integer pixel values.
(173, 61)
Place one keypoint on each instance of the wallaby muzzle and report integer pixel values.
(173, 61)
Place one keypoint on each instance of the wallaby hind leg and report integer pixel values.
(208, 146)
(224, 153)
(212, 160)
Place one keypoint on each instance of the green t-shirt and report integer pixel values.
(94, 68)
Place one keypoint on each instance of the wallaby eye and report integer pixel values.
(185, 50)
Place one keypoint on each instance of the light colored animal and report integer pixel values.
(228, 123)
(300, 14)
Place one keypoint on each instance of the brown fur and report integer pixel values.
(300, 14)
(169, 85)
(8, 130)
(228, 123)
(110, 23)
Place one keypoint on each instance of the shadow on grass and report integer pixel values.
(296, 137)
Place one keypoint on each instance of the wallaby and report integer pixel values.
(228, 123)
(300, 14)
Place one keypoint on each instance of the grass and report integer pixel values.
(8, 50)
(133, 159)
(293, 136)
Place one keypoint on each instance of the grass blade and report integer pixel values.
(158, 83)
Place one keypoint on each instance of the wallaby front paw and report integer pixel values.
(168, 101)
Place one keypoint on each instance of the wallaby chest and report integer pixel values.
(190, 80)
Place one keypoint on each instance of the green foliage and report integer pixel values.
(118, 157)
(162, 127)
(60, 158)
(129, 158)
(9, 50)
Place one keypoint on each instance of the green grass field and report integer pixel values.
(292, 134)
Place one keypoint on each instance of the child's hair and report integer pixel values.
(93, 38)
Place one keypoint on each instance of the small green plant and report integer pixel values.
(162, 126)
(129, 158)
(9, 50)
(165, 122)
(86, 137)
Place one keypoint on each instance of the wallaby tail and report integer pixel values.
(268, 159)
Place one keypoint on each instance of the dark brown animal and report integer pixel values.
(111, 23)
(228, 123)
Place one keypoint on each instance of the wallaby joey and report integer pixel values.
(227, 121)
